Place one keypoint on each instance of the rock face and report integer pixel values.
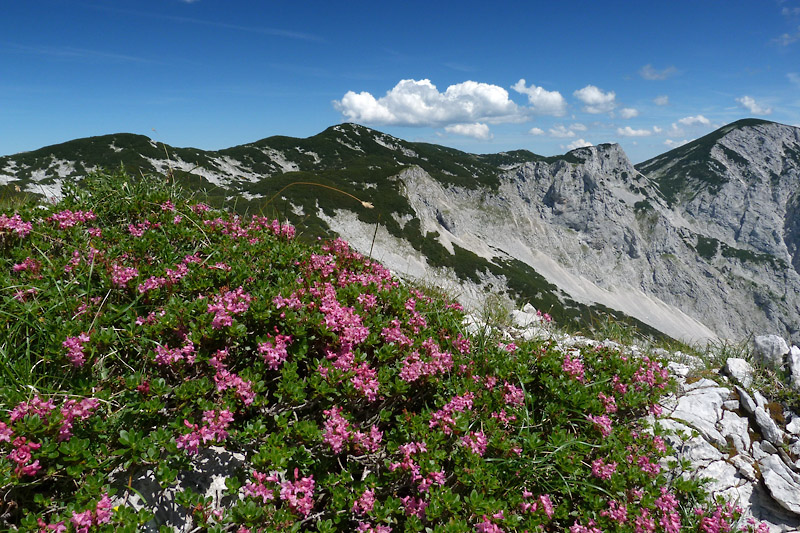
(709, 258)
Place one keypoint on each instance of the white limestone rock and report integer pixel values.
(701, 408)
(740, 370)
(782, 483)
(210, 468)
(770, 349)
(734, 427)
(769, 429)
(794, 367)
(748, 404)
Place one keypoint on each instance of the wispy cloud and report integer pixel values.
(788, 38)
(277, 32)
(661, 100)
(649, 73)
(79, 54)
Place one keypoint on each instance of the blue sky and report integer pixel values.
(478, 76)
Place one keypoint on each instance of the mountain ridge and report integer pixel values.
(658, 241)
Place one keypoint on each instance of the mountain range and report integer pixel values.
(700, 243)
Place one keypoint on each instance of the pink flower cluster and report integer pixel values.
(395, 335)
(651, 374)
(75, 410)
(344, 321)
(215, 425)
(120, 275)
(407, 463)
(337, 434)
(22, 455)
(603, 470)
(601, 423)
(487, 526)
(616, 512)
(226, 379)
(28, 265)
(274, 351)
(364, 503)
(15, 224)
(573, 367)
(139, 229)
(233, 302)
(414, 367)
(414, 506)
(576, 527)
(35, 406)
(532, 506)
(324, 264)
(299, 494)
(171, 277)
(85, 520)
(169, 356)
(443, 418)
(74, 346)
(476, 442)
(513, 396)
(609, 403)
(67, 219)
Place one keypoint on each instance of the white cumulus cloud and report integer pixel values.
(419, 103)
(661, 100)
(560, 131)
(628, 112)
(542, 101)
(595, 100)
(578, 143)
(627, 131)
(478, 130)
(691, 121)
(649, 73)
(754, 107)
(578, 127)
(536, 131)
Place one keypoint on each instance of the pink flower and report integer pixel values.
(365, 502)
(274, 352)
(5, 432)
(602, 423)
(336, 433)
(485, 526)
(476, 442)
(299, 494)
(573, 367)
(15, 224)
(616, 512)
(120, 276)
(513, 396)
(82, 521)
(257, 489)
(215, 425)
(74, 346)
(602, 470)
